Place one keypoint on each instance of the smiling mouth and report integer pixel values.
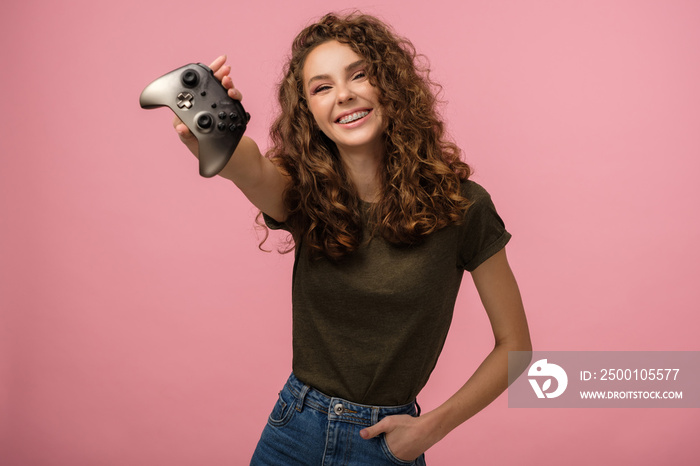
(352, 117)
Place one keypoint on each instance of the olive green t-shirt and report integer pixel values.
(370, 327)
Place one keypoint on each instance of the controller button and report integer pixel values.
(213, 105)
(203, 93)
(234, 115)
(205, 121)
(222, 115)
(221, 126)
(190, 78)
(247, 116)
(185, 100)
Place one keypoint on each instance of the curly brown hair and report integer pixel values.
(422, 170)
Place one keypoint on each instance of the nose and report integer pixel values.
(345, 94)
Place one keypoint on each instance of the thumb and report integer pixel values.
(373, 431)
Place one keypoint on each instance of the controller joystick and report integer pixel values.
(204, 122)
(190, 78)
(192, 92)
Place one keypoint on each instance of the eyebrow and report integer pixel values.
(326, 76)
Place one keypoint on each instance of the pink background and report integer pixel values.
(140, 324)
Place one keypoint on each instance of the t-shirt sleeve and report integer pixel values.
(483, 232)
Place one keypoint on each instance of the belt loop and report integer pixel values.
(302, 397)
(417, 408)
(375, 415)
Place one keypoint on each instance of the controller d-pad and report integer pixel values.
(185, 100)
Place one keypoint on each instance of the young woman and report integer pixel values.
(384, 222)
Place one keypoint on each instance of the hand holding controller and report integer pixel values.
(204, 106)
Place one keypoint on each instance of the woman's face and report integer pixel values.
(343, 102)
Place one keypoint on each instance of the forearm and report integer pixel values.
(255, 175)
(501, 298)
(485, 385)
(258, 178)
(244, 164)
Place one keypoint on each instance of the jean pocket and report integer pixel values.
(284, 409)
(390, 455)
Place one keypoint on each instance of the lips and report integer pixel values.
(349, 117)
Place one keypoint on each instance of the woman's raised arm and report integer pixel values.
(256, 176)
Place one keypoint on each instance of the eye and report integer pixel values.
(360, 75)
(321, 88)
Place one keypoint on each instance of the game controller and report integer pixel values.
(202, 103)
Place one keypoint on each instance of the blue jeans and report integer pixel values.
(307, 427)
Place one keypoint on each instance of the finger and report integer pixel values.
(227, 82)
(373, 431)
(234, 93)
(216, 64)
(222, 72)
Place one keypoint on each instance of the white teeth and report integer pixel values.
(353, 117)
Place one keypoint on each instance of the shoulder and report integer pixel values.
(474, 192)
(481, 209)
(482, 232)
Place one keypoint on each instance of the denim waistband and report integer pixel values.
(339, 409)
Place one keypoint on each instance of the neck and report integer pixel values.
(363, 168)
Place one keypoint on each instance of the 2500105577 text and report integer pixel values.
(631, 374)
